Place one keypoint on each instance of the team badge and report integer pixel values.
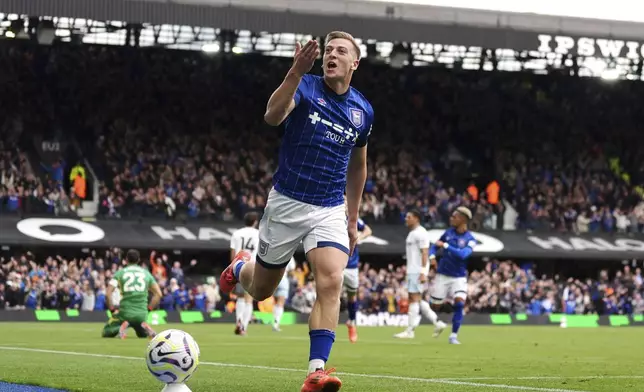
(263, 248)
(461, 243)
(357, 117)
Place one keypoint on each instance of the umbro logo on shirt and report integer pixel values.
(322, 102)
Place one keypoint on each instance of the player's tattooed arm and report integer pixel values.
(282, 102)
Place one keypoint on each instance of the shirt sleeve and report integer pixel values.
(366, 132)
(434, 248)
(464, 253)
(303, 89)
(472, 242)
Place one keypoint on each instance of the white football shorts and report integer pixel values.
(414, 286)
(351, 279)
(448, 286)
(287, 222)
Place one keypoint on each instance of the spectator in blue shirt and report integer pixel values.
(200, 299)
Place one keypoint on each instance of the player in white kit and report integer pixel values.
(246, 238)
(417, 254)
(281, 295)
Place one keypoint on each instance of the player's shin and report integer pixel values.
(243, 271)
(328, 264)
(413, 316)
(278, 311)
(240, 310)
(321, 342)
(322, 324)
(352, 308)
(248, 314)
(427, 312)
(457, 317)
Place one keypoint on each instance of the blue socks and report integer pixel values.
(353, 310)
(237, 269)
(321, 343)
(457, 317)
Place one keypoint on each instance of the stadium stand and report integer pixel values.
(499, 287)
(163, 144)
(166, 144)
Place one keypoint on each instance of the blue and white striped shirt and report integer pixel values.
(454, 260)
(319, 135)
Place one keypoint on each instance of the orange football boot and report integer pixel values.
(227, 280)
(321, 381)
(353, 332)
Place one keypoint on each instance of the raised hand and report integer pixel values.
(305, 56)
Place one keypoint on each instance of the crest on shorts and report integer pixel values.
(357, 117)
(263, 248)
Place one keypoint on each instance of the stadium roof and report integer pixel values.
(243, 30)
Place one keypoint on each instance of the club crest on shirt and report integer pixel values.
(461, 243)
(263, 248)
(357, 117)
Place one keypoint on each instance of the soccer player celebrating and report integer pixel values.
(351, 281)
(416, 253)
(281, 295)
(451, 279)
(134, 283)
(246, 238)
(323, 153)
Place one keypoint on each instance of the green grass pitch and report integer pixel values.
(73, 357)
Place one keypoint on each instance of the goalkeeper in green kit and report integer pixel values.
(134, 283)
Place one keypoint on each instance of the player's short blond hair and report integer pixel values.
(343, 35)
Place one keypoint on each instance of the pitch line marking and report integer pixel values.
(606, 377)
(257, 367)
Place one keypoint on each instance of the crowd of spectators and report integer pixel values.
(22, 191)
(79, 283)
(58, 282)
(181, 136)
(507, 287)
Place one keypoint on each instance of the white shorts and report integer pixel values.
(351, 279)
(414, 286)
(287, 222)
(448, 285)
(283, 288)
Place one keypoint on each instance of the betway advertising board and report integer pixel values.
(386, 239)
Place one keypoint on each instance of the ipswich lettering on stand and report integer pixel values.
(590, 47)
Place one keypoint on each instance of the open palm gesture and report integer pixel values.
(305, 56)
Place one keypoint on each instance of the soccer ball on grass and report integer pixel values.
(172, 356)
